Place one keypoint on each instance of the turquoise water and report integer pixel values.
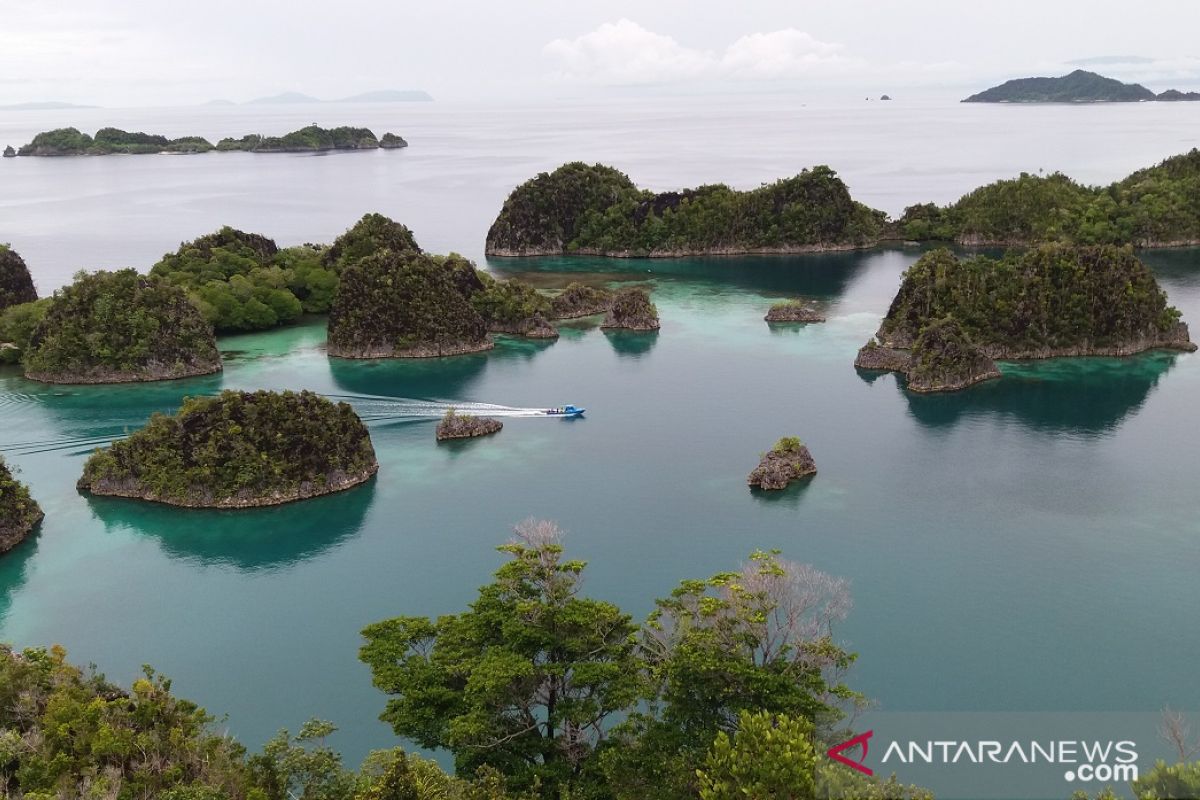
(1029, 544)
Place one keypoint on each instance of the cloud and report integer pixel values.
(624, 52)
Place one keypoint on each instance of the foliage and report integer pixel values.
(111, 324)
(390, 141)
(368, 236)
(235, 445)
(945, 357)
(1175, 781)
(578, 300)
(524, 681)
(631, 308)
(70, 142)
(578, 208)
(1079, 86)
(1053, 296)
(508, 302)
(397, 301)
(1159, 205)
(16, 284)
(18, 510)
(788, 444)
(768, 758)
(17, 324)
(243, 281)
(309, 138)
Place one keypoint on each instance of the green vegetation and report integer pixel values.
(70, 733)
(16, 284)
(19, 512)
(17, 324)
(511, 306)
(944, 359)
(596, 209)
(372, 233)
(1152, 207)
(107, 141)
(631, 308)
(114, 327)
(1079, 86)
(404, 304)
(789, 460)
(578, 300)
(1052, 299)
(312, 138)
(238, 449)
(244, 282)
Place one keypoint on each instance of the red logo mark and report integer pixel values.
(861, 740)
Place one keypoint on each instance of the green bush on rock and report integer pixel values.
(238, 449)
(119, 327)
(19, 512)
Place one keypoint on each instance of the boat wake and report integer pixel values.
(373, 407)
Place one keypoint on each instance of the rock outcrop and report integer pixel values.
(793, 311)
(19, 513)
(465, 426)
(578, 300)
(16, 284)
(789, 460)
(9, 152)
(944, 359)
(120, 327)
(631, 310)
(238, 450)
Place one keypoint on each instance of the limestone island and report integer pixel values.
(9, 152)
(19, 512)
(238, 450)
(120, 327)
(952, 317)
(114, 141)
(466, 426)
(16, 284)
(789, 460)
(631, 310)
(596, 210)
(578, 300)
(1154, 207)
(403, 304)
(1079, 86)
(794, 311)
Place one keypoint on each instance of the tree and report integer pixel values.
(768, 758)
(524, 682)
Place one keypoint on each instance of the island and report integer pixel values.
(403, 304)
(1080, 86)
(244, 282)
(631, 310)
(789, 460)
(793, 311)
(16, 284)
(578, 300)
(238, 450)
(120, 327)
(19, 512)
(1154, 207)
(114, 141)
(509, 306)
(9, 152)
(952, 317)
(581, 209)
(372, 233)
(465, 426)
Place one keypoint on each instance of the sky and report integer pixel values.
(142, 53)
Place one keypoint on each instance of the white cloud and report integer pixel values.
(624, 52)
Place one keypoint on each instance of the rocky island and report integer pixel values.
(19, 512)
(578, 300)
(368, 236)
(952, 317)
(1080, 86)
(114, 141)
(793, 311)
(631, 310)
(465, 426)
(9, 152)
(597, 210)
(120, 327)
(403, 305)
(1154, 207)
(16, 284)
(238, 450)
(510, 306)
(789, 460)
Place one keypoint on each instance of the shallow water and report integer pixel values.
(1031, 543)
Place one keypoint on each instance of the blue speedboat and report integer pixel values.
(565, 411)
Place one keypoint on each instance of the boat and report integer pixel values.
(565, 411)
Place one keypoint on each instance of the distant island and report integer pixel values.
(238, 450)
(47, 105)
(382, 96)
(597, 210)
(1079, 86)
(19, 513)
(952, 317)
(119, 327)
(115, 141)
